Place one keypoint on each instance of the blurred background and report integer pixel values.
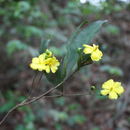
(22, 26)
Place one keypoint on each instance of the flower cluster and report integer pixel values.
(94, 51)
(45, 62)
(112, 89)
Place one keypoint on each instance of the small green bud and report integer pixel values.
(93, 88)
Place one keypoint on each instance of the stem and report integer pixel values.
(33, 99)
(29, 101)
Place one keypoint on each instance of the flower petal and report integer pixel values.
(88, 49)
(47, 69)
(108, 84)
(53, 69)
(105, 92)
(113, 95)
(35, 60)
(96, 55)
(41, 58)
(119, 90)
(33, 66)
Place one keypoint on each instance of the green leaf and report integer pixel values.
(58, 126)
(112, 70)
(73, 107)
(60, 101)
(59, 76)
(79, 38)
(58, 115)
(112, 29)
(76, 119)
(60, 51)
(15, 45)
(20, 127)
(44, 46)
(6, 107)
(71, 59)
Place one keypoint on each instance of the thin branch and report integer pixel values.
(29, 101)
(32, 86)
(34, 99)
(10, 111)
(76, 94)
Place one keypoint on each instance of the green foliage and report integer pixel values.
(29, 31)
(22, 7)
(15, 45)
(60, 101)
(73, 107)
(111, 6)
(7, 106)
(28, 119)
(11, 98)
(112, 29)
(90, 9)
(112, 70)
(70, 63)
(76, 119)
(29, 126)
(96, 128)
(80, 37)
(11, 102)
(20, 127)
(44, 46)
(59, 116)
(58, 126)
(72, 8)
(58, 51)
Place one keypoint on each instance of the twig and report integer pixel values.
(29, 101)
(32, 86)
(75, 94)
(34, 99)
(38, 82)
(10, 111)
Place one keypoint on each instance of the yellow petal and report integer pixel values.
(35, 60)
(96, 55)
(41, 67)
(88, 49)
(119, 90)
(47, 69)
(34, 66)
(108, 84)
(105, 92)
(95, 47)
(113, 95)
(53, 69)
(56, 62)
(41, 58)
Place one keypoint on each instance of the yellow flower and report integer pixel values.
(45, 62)
(51, 64)
(38, 63)
(112, 89)
(96, 54)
